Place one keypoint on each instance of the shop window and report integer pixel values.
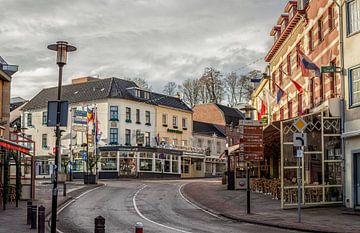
(198, 166)
(186, 166)
(114, 136)
(138, 116)
(145, 164)
(44, 118)
(114, 113)
(164, 120)
(128, 114)
(167, 166)
(175, 165)
(353, 16)
(44, 141)
(127, 137)
(354, 75)
(158, 165)
(147, 118)
(108, 164)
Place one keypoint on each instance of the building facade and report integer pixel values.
(351, 134)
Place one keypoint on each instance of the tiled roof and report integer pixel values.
(99, 89)
(208, 129)
(231, 114)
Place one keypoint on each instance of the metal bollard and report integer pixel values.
(41, 219)
(139, 227)
(99, 224)
(33, 216)
(64, 190)
(28, 213)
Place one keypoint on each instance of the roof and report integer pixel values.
(208, 129)
(232, 115)
(15, 100)
(100, 89)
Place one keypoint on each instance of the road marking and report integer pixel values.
(151, 221)
(196, 206)
(72, 201)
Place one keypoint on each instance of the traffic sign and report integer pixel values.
(299, 153)
(300, 139)
(300, 124)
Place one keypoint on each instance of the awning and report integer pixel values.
(14, 146)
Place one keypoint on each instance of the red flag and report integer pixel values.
(298, 86)
(262, 110)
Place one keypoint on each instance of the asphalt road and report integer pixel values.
(159, 205)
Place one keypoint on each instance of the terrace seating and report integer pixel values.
(267, 186)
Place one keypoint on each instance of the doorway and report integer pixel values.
(357, 178)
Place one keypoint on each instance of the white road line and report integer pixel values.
(72, 201)
(156, 223)
(196, 206)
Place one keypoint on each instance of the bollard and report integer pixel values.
(41, 219)
(33, 216)
(139, 227)
(28, 215)
(99, 224)
(64, 190)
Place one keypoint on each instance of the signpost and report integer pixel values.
(330, 69)
(299, 142)
(251, 148)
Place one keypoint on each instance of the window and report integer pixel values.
(138, 116)
(114, 113)
(280, 74)
(218, 147)
(147, 139)
(175, 121)
(282, 113)
(354, 75)
(44, 118)
(175, 142)
(332, 79)
(44, 141)
(300, 103)
(29, 119)
(128, 114)
(273, 81)
(147, 118)
(114, 137)
(320, 30)
(127, 137)
(311, 40)
(289, 64)
(200, 143)
(108, 164)
(184, 142)
(198, 166)
(353, 16)
(290, 109)
(331, 18)
(312, 101)
(164, 119)
(184, 123)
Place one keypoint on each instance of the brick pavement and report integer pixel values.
(214, 196)
(13, 220)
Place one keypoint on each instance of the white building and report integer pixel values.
(126, 119)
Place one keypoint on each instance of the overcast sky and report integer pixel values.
(158, 40)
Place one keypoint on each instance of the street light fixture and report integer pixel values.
(62, 48)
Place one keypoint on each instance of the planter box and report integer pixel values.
(90, 179)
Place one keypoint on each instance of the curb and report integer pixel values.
(69, 197)
(253, 221)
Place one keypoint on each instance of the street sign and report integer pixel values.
(299, 153)
(79, 128)
(251, 140)
(300, 139)
(328, 69)
(300, 124)
(79, 113)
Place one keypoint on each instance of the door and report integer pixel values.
(357, 178)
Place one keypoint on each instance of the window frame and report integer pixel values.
(147, 118)
(164, 116)
(29, 119)
(44, 139)
(128, 137)
(113, 136)
(44, 118)
(184, 123)
(128, 114)
(138, 116)
(114, 110)
(349, 32)
(175, 122)
(351, 99)
(321, 35)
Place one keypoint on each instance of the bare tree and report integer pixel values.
(211, 78)
(246, 87)
(232, 88)
(170, 89)
(142, 83)
(190, 89)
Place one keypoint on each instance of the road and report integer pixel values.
(159, 205)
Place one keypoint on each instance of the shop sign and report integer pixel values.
(174, 131)
(79, 113)
(79, 128)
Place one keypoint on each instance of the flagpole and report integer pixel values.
(96, 142)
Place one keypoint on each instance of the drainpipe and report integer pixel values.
(342, 95)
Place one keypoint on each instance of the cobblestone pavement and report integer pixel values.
(215, 197)
(13, 220)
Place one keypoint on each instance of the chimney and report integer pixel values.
(83, 80)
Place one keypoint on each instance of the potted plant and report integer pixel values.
(90, 176)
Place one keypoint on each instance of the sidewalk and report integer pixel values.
(214, 197)
(14, 219)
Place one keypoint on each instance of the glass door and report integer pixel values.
(357, 178)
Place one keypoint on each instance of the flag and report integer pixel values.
(280, 93)
(307, 65)
(262, 110)
(96, 130)
(89, 115)
(298, 86)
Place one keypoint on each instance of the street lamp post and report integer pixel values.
(62, 48)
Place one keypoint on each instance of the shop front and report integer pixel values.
(320, 166)
(193, 165)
